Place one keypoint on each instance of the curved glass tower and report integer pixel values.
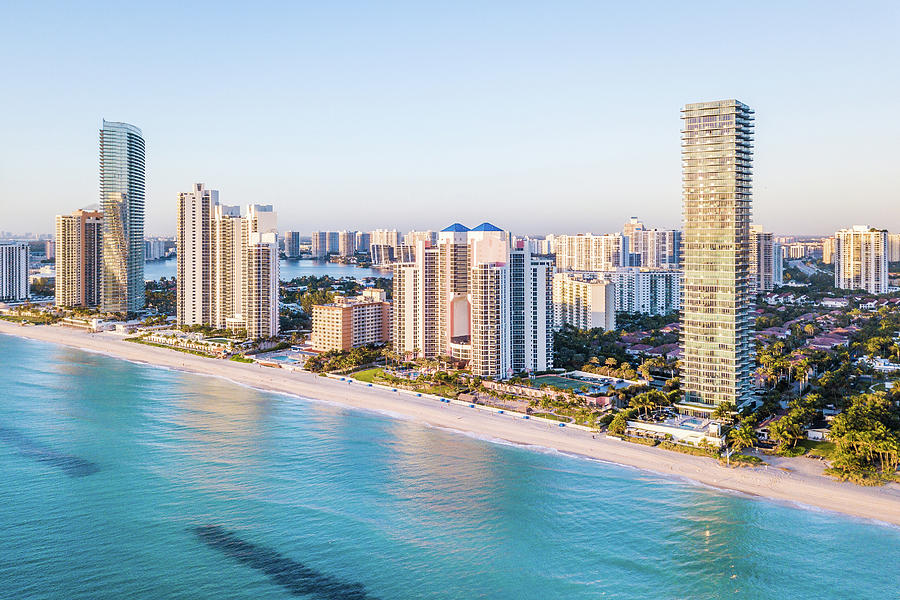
(122, 201)
(717, 155)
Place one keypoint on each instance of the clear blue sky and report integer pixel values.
(540, 117)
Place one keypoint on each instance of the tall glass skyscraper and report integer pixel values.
(122, 201)
(717, 156)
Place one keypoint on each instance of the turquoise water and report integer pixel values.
(288, 269)
(126, 481)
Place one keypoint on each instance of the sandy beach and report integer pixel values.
(797, 480)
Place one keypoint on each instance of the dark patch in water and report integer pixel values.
(70, 465)
(295, 577)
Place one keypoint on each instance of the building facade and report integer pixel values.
(765, 263)
(79, 257)
(717, 351)
(655, 248)
(122, 202)
(646, 291)
(227, 265)
(260, 285)
(476, 298)
(588, 252)
(352, 322)
(14, 272)
(292, 244)
(194, 251)
(583, 300)
(860, 259)
(893, 247)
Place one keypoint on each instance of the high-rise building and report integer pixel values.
(227, 264)
(588, 252)
(476, 298)
(778, 262)
(647, 291)
(631, 226)
(717, 154)
(349, 323)
(194, 250)
(384, 237)
(363, 241)
(260, 285)
(860, 261)
(122, 202)
(411, 238)
(227, 267)
(827, 251)
(762, 260)
(655, 248)
(583, 300)
(292, 244)
(13, 272)
(78, 258)
(319, 244)
(346, 243)
(893, 247)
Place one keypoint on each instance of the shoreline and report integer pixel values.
(797, 482)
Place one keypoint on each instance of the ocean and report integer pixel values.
(122, 480)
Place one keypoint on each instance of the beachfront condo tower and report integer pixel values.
(717, 154)
(193, 241)
(122, 201)
(227, 264)
(478, 298)
(78, 258)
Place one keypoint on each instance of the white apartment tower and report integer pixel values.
(260, 285)
(194, 251)
(860, 259)
(588, 252)
(227, 264)
(763, 267)
(13, 271)
(583, 300)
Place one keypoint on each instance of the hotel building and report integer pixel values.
(717, 352)
(860, 259)
(583, 300)
(122, 202)
(78, 258)
(13, 272)
(476, 298)
(352, 322)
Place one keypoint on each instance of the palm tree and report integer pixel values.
(724, 412)
(742, 437)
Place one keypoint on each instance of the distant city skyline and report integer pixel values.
(550, 119)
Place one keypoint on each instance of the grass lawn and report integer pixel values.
(823, 449)
(367, 375)
(563, 383)
(552, 417)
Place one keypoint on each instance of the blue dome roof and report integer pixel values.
(456, 227)
(487, 227)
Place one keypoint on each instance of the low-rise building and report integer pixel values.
(352, 322)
